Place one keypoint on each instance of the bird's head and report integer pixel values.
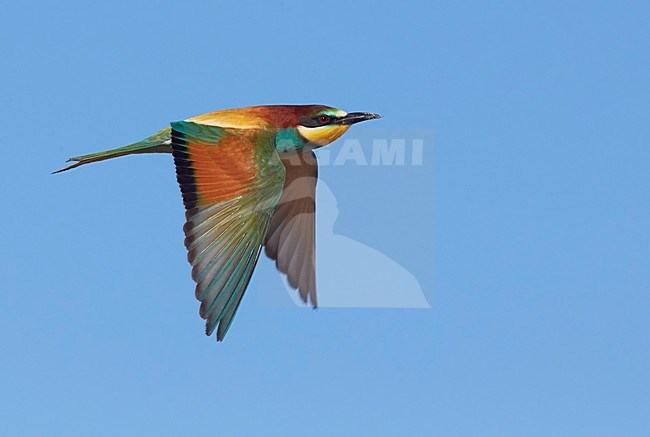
(321, 125)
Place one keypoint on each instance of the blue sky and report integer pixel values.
(526, 225)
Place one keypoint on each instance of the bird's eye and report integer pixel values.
(324, 119)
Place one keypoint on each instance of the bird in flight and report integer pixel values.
(248, 180)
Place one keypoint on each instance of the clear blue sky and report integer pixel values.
(527, 225)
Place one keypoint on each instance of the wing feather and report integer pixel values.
(291, 239)
(231, 181)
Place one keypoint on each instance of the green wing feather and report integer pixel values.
(231, 181)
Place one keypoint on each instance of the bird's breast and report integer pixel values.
(288, 140)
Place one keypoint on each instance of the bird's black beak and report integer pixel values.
(356, 117)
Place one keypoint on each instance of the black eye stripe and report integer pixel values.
(316, 121)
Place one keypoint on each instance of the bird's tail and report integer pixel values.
(160, 142)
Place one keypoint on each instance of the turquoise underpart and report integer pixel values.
(288, 140)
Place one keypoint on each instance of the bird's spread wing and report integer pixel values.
(291, 239)
(231, 181)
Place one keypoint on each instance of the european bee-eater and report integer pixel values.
(248, 179)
